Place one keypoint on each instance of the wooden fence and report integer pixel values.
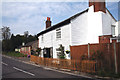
(82, 66)
(110, 59)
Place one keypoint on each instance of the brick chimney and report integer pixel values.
(99, 5)
(48, 22)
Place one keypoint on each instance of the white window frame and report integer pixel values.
(58, 33)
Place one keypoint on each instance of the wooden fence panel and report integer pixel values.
(84, 66)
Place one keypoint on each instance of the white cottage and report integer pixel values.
(82, 28)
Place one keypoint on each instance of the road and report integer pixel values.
(15, 69)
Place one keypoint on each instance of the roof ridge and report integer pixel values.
(111, 14)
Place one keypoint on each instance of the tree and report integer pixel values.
(10, 42)
(6, 33)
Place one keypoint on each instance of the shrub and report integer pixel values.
(14, 54)
(61, 53)
(62, 57)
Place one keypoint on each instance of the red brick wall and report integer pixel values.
(26, 50)
(78, 51)
(105, 39)
(106, 48)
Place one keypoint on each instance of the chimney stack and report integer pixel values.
(99, 5)
(48, 22)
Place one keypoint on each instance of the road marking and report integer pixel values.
(4, 63)
(24, 71)
(49, 69)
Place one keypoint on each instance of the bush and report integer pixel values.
(25, 55)
(62, 57)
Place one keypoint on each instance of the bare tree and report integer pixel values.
(6, 33)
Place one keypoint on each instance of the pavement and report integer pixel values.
(22, 67)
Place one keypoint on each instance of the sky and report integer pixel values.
(31, 16)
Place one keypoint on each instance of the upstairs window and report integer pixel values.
(58, 33)
(113, 29)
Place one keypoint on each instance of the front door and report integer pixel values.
(48, 52)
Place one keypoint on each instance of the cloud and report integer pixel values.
(31, 16)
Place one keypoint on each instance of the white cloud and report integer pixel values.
(31, 16)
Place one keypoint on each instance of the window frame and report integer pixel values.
(58, 33)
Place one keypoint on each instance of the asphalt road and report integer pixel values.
(15, 69)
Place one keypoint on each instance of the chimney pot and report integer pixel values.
(48, 18)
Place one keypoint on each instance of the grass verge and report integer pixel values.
(14, 54)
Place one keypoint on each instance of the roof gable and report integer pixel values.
(111, 14)
(30, 43)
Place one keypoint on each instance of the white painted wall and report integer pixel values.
(66, 41)
(47, 40)
(94, 25)
(83, 29)
(79, 30)
(107, 21)
(89, 26)
(51, 41)
(117, 28)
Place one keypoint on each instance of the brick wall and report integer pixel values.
(25, 50)
(106, 48)
(78, 51)
(105, 39)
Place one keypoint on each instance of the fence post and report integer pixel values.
(88, 50)
(115, 58)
